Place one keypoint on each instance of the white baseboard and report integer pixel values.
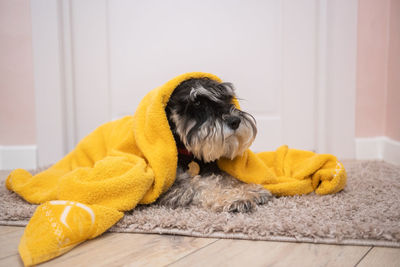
(13, 157)
(381, 147)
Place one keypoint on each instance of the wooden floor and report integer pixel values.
(117, 249)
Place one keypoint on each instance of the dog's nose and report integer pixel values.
(233, 122)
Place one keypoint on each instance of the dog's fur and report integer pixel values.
(207, 126)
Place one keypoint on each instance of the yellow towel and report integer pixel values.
(57, 226)
(133, 160)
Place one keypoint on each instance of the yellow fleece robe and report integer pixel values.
(132, 161)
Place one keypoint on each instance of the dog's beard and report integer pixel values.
(213, 138)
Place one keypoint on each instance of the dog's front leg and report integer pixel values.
(222, 192)
(181, 193)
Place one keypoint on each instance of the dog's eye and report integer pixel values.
(197, 103)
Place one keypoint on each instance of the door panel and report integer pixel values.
(153, 41)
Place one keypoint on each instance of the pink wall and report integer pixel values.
(393, 90)
(17, 110)
(371, 67)
(378, 86)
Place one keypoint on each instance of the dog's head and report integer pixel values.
(205, 121)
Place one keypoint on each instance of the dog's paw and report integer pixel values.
(262, 197)
(259, 194)
(242, 205)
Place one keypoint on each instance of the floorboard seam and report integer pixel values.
(363, 256)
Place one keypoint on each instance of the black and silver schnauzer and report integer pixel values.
(207, 126)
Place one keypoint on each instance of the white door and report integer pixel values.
(115, 51)
(265, 48)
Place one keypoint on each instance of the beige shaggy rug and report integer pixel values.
(367, 212)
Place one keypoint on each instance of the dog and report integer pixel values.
(207, 126)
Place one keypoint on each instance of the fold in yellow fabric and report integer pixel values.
(133, 161)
